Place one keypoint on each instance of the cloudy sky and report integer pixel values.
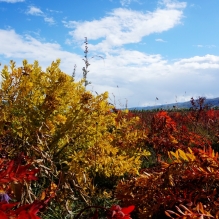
(139, 50)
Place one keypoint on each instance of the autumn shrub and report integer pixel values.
(188, 178)
(76, 138)
(166, 131)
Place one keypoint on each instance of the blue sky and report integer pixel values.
(167, 49)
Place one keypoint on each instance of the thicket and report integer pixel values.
(67, 153)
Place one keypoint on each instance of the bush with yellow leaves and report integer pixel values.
(72, 134)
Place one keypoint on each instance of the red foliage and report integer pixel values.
(116, 212)
(14, 171)
(178, 130)
(27, 211)
(187, 178)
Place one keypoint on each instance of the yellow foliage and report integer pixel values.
(50, 111)
(180, 156)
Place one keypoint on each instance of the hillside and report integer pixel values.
(214, 102)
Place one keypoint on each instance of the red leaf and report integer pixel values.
(23, 215)
(128, 210)
(10, 167)
(32, 209)
(3, 215)
(4, 206)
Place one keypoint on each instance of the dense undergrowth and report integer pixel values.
(66, 153)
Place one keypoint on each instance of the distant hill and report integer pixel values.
(182, 105)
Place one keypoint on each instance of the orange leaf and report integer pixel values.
(43, 195)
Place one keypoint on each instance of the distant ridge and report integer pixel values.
(182, 105)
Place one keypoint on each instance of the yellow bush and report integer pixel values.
(49, 111)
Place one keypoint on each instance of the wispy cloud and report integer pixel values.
(160, 40)
(35, 11)
(15, 46)
(32, 10)
(210, 46)
(205, 46)
(127, 2)
(49, 20)
(199, 46)
(123, 26)
(12, 1)
(199, 62)
(172, 4)
(54, 11)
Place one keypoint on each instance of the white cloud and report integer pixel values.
(126, 2)
(68, 42)
(124, 26)
(17, 47)
(199, 62)
(210, 46)
(205, 46)
(146, 77)
(172, 4)
(140, 77)
(160, 40)
(54, 11)
(12, 1)
(35, 11)
(199, 46)
(49, 20)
